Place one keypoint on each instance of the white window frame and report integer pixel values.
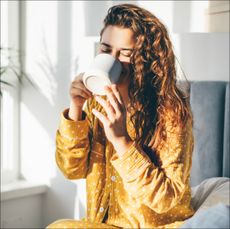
(10, 125)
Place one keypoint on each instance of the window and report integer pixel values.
(219, 16)
(9, 99)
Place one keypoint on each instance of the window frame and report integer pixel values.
(11, 173)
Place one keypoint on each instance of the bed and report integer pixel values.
(210, 166)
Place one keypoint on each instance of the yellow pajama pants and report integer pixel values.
(70, 223)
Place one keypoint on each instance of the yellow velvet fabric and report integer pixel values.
(131, 191)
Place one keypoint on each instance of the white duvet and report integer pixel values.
(211, 192)
(210, 199)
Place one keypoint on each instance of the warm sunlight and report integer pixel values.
(152, 152)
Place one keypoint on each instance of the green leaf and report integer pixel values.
(4, 82)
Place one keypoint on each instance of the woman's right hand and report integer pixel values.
(79, 94)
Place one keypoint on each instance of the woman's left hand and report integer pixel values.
(115, 121)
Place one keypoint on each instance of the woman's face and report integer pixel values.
(119, 42)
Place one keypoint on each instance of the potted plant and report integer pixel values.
(8, 56)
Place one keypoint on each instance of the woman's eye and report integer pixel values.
(105, 50)
(126, 54)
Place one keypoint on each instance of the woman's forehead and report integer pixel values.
(118, 37)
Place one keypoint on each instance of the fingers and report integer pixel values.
(114, 107)
(78, 88)
(78, 83)
(101, 117)
(79, 92)
(81, 87)
(115, 99)
(107, 107)
(79, 77)
(117, 93)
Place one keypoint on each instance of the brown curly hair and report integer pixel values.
(153, 83)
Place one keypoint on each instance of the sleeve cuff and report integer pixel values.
(132, 163)
(73, 129)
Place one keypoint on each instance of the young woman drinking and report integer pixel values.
(134, 145)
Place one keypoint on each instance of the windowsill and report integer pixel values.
(20, 189)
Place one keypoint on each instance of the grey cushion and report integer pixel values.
(214, 217)
(226, 159)
(208, 105)
(210, 192)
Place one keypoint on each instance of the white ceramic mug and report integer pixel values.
(105, 70)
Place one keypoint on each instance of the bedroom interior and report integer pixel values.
(57, 40)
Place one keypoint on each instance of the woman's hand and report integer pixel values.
(79, 94)
(115, 121)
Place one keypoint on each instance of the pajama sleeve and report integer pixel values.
(158, 187)
(73, 144)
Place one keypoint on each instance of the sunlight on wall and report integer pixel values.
(180, 16)
(4, 27)
(58, 46)
(161, 9)
(41, 45)
(37, 164)
(41, 65)
(78, 33)
(83, 49)
(199, 17)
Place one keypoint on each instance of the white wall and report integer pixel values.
(203, 56)
(24, 212)
(57, 45)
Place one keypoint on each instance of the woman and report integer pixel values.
(134, 146)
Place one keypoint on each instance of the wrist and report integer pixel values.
(75, 112)
(122, 145)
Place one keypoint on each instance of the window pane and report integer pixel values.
(7, 134)
(9, 119)
(4, 30)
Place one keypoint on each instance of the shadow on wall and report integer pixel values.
(59, 201)
(62, 200)
(66, 199)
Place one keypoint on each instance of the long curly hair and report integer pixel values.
(153, 83)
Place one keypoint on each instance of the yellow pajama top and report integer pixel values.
(130, 191)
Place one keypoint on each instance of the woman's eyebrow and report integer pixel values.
(106, 44)
(109, 46)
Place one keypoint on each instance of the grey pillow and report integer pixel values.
(211, 192)
(213, 217)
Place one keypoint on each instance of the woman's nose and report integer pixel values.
(115, 54)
